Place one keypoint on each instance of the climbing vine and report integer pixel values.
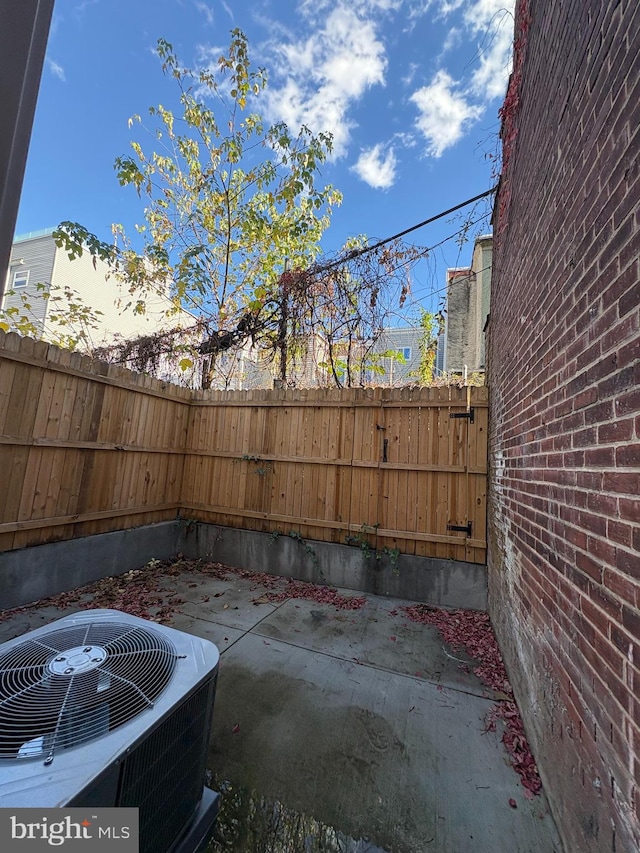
(510, 109)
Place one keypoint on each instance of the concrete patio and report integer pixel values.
(340, 729)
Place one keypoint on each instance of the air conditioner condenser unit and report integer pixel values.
(105, 709)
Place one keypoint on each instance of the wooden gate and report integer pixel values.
(429, 493)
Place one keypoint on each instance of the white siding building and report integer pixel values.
(37, 267)
(397, 352)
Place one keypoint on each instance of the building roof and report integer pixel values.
(31, 235)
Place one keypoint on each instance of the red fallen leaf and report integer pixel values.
(419, 674)
(235, 729)
(393, 639)
(315, 592)
(513, 803)
(471, 630)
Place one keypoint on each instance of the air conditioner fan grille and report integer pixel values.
(74, 684)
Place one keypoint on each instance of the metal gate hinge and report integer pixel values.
(463, 528)
(469, 414)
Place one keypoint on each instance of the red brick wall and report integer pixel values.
(564, 371)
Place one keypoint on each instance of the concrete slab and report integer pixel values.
(221, 635)
(20, 623)
(29, 574)
(322, 722)
(227, 602)
(400, 761)
(378, 636)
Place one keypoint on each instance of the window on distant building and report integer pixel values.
(21, 278)
(405, 353)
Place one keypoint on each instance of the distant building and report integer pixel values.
(438, 369)
(468, 299)
(395, 357)
(249, 366)
(38, 267)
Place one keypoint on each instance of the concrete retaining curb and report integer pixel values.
(29, 574)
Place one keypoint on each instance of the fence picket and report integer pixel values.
(86, 448)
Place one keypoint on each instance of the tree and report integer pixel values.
(230, 203)
(432, 326)
(345, 303)
(70, 322)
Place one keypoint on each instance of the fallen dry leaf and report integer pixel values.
(471, 630)
(315, 592)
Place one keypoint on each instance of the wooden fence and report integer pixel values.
(86, 447)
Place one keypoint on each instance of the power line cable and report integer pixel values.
(356, 253)
(320, 268)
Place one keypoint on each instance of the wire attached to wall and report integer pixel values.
(356, 253)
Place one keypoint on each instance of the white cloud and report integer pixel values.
(492, 20)
(442, 8)
(323, 63)
(448, 108)
(452, 40)
(407, 140)
(376, 168)
(411, 73)
(227, 9)
(367, 6)
(326, 74)
(314, 8)
(444, 113)
(56, 69)
(480, 12)
(206, 11)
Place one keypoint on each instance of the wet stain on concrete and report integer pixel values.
(303, 749)
(250, 823)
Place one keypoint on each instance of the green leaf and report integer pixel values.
(223, 211)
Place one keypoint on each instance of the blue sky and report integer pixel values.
(410, 90)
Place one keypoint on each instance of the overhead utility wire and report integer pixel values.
(356, 253)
